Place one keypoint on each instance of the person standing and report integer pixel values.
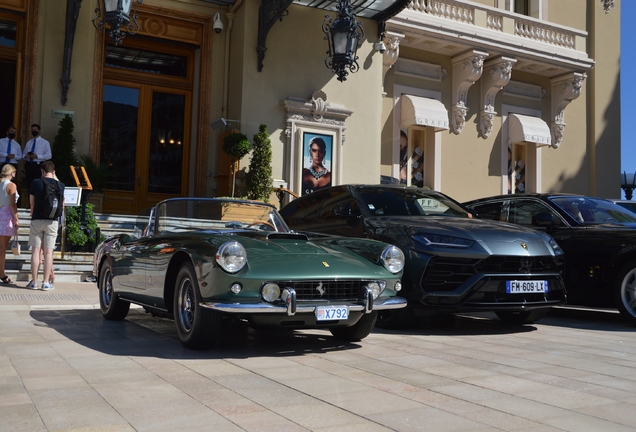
(36, 151)
(9, 221)
(43, 230)
(10, 150)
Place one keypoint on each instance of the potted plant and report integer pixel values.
(63, 150)
(259, 177)
(236, 145)
(82, 234)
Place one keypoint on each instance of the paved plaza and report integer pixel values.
(64, 368)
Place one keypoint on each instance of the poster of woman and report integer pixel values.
(317, 155)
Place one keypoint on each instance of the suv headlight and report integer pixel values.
(555, 246)
(231, 256)
(392, 259)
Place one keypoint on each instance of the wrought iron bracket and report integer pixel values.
(269, 12)
(72, 12)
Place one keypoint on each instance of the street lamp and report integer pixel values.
(628, 184)
(344, 35)
(117, 14)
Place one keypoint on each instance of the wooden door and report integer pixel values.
(145, 141)
(146, 122)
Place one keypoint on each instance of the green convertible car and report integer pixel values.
(204, 262)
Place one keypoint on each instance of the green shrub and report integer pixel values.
(80, 233)
(259, 177)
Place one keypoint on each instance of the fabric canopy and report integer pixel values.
(523, 128)
(421, 111)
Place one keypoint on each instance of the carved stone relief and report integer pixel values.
(467, 68)
(496, 75)
(565, 89)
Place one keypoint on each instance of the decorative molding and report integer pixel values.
(565, 89)
(524, 90)
(392, 52)
(467, 68)
(607, 5)
(316, 110)
(418, 69)
(496, 75)
(72, 12)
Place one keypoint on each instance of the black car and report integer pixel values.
(454, 263)
(597, 236)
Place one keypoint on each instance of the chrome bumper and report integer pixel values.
(290, 308)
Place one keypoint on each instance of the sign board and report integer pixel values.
(72, 196)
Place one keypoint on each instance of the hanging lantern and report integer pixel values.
(117, 15)
(344, 35)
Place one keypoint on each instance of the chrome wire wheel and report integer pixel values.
(186, 307)
(107, 290)
(112, 307)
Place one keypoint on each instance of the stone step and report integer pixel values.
(75, 266)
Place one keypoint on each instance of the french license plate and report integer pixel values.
(527, 286)
(330, 313)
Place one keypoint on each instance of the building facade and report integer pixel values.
(469, 98)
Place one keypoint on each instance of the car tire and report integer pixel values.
(395, 319)
(197, 328)
(524, 317)
(625, 292)
(113, 308)
(358, 331)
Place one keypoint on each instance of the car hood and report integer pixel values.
(495, 238)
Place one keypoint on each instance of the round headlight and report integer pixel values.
(393, 259)
(270, 292)
(231, 256)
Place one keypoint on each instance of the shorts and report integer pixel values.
(43, 232)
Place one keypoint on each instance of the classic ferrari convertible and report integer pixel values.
(205, 262)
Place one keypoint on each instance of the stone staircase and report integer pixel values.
(70, 266)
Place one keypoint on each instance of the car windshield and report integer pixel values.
(409, 202)
(184, 214)
(589, 210)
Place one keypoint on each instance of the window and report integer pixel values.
(530, 8)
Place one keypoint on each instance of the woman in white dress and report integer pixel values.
(9, 221)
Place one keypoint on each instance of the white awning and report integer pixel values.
(522, 128)
(421, 111)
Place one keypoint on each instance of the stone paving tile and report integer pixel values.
(22, 417)
(427, 418)
(622, 413)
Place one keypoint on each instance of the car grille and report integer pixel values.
(340, 289)
(448, 273)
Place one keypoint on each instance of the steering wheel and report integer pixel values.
(262, 223)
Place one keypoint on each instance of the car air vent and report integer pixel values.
(325, 290)
(287, 236)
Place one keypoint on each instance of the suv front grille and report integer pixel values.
(448, 273)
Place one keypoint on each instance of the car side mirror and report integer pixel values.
(544, 220)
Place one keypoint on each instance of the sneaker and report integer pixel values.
(47, 286)
(32, 285)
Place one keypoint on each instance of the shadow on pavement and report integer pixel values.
(143, 335)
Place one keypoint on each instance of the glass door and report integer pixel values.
(144, 140)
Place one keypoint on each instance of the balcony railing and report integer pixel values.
(498, 20)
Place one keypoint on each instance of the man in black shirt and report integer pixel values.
(43, 230)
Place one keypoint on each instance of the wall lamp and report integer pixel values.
(116, 18)
(344, 36)
(220, 123)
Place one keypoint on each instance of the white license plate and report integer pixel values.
(529, 286)
(330, 313)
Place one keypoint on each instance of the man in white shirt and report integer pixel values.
(36, 151)
(10, 150)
